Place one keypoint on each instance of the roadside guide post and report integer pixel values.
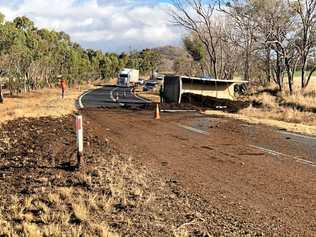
(79, 132)
(1, 94)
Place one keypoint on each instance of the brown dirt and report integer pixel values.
(215, 103)
(41, 194)
(273, 195)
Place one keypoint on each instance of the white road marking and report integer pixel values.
(276, 153)
(271, 152)
(177, 110)
(193, 129)
(111, 94)
(298, 135)
(80, 99)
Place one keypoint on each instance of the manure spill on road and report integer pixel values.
(40, 192)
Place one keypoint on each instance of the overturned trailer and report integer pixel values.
(176, 86)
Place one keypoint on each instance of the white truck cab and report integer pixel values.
(128, 77)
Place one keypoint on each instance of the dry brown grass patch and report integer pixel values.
(283, 110)
(289, 115)
(152, 96)
(46, 102)
(80, 211)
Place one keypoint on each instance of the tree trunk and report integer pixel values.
(268, 65)
(24, 84)
(246, 72)
(289, 74)
(310, 76)
(279, 72)
(303, 77)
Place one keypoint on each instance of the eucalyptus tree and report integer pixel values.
(305, 42)
(197, 16)
(197, 51)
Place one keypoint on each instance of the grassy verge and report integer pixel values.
(281, 109)
(46, 102)
(154, 97)
(254, 116)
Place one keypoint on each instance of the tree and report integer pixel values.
(242, 33)
(150, 60)
(35, 57)
(195, 48)
(197, 16)
(1, 18)
(306, 12)
(23, 23)
(183, 66)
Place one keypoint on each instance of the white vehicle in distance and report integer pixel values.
(128, 77)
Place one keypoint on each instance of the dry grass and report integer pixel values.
(255, 117)
(272, 110)
(75, 211)
(301, 98)
(46, 102)
(152, 96)
(305, 98)
(62, 217)
(80, 212)
(272, 114)
(288, 115)
(279, 115)
(81, 209)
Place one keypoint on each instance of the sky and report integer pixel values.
(109, 25)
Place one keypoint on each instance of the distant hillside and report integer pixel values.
(169, 55)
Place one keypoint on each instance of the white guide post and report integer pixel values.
(79, 132)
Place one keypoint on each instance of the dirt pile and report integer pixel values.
(214, 103)
(42, 195)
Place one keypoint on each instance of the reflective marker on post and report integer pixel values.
(79, 132)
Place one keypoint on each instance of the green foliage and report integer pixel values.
(146, 61)
(195, 48)
(1, 18)
(35, 57)
(23, 23)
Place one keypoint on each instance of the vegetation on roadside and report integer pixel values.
(46, 102)
(270, 44)
(261, 41)
(32, 58)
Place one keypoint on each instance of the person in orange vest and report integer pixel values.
(63, 87)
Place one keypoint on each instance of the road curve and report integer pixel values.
(111, 96)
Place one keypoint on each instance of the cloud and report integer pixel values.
(110, 25)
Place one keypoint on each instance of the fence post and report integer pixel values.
(79, 132)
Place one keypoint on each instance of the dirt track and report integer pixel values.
(274, 193)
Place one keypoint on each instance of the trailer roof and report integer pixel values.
(208, 79)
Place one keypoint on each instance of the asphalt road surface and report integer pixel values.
(111, 96)
(114, 96)
(254, 172)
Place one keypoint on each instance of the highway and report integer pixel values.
(111, 96)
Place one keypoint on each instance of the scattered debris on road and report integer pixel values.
(43, 195)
